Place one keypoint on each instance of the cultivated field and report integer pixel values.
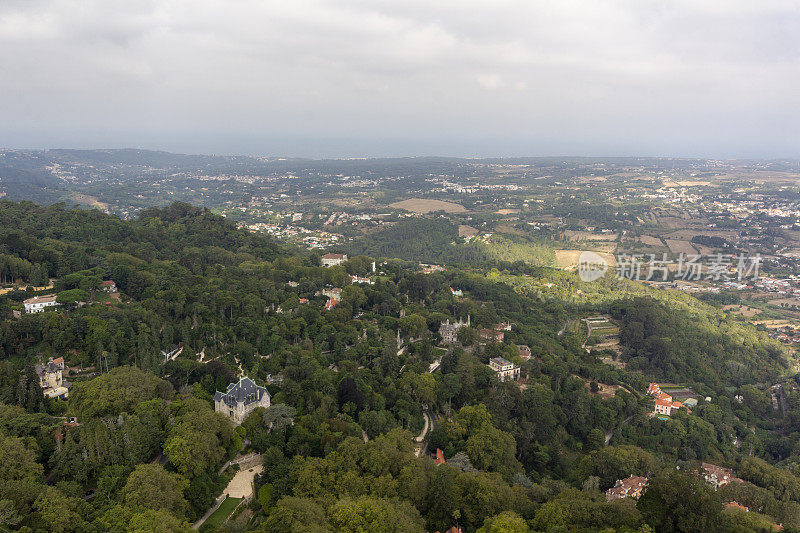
(651, 241)
(466, 231)
(91, 201)
(568, 259)
(786, 302)
(687, 234)
(573, 235)
(670, 183)
(678, 247)
(744, 310)
(422, 205)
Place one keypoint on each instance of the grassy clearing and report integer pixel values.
(219, 516)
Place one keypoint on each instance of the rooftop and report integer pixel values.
(244, 391)
(47, 298)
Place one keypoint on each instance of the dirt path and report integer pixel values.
(421, 436)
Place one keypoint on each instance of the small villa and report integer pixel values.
(504, 369)
(630, 487)
(241, 399)
(37, 304)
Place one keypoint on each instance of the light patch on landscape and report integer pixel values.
(466, 231)
(744, 310)
(573, 235)
(680, 247)
(651, 241)
(86, 199)
(568, 259)
(423, 205)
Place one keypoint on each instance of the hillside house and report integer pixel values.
(240, 399)
(438, 457)
(51, 378)
(663, 402)
(630, 487)
(504, 369)
(37, 304)
(329, 260)
(430, 269)
(524, 351)
(108, 286)
(449, 330)
(717, 476)
(335, 293)
(491, 335)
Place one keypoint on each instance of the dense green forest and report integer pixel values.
(139, 447)
(436, 240)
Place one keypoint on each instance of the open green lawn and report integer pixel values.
(220, 515)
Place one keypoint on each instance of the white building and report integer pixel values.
(241, 399)
(335, 293)
(37, 304)
(504, 368)
(333, 259)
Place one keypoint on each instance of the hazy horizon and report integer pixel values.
(329, 154)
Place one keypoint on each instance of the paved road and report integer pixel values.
(433, 417)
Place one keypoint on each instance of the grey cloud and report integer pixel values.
(675, 77)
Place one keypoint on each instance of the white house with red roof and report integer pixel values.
(664, 405)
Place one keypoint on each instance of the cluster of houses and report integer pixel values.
(497, 334)
(664, 404)
(634, 486)
(51, 379)
(334, 295)
(430, 269)
(717, 476)
(37, 304)
(786, 334)
(503, 368)
(449, 331)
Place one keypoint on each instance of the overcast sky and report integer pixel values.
(717, 78)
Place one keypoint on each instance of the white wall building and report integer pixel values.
(37, 304)
(504, 368)
(333, 259)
